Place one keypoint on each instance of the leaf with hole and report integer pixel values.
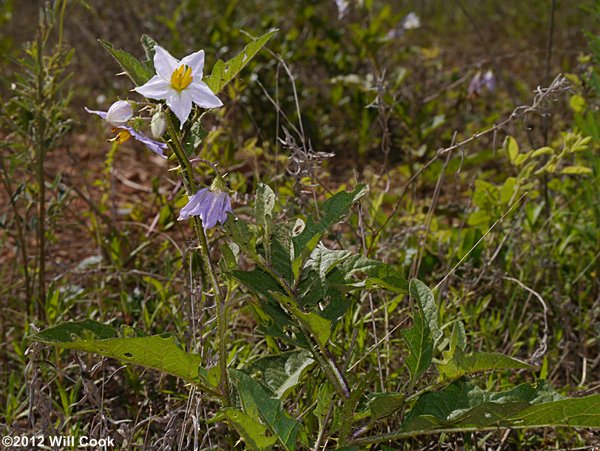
(160, 352)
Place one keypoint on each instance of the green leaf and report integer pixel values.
(282, 372)
(322, 260)
(577, 103)
(542, 151)
(463, 405)
(223, 73)
(333, 211)
(578, 412)
(378, 274)
(576, 170)
(382, 405)
(461, 364)
(420, 344)
(135, 69)
(263, 208)
(512, 148)
(160, 352)
(243, 234)
(508, 190)
(458, 339)
(319, 327)
(252, 432)
(257, 403)
(259, 281)
(148, 43)
(194, 138)
(426, 301)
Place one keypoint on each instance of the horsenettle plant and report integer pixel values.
(303, 293)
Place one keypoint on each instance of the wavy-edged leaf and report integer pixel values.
(223, 72)
(420, 345)
(426, 301)
(382, 405)
(160, 352)
(576, 412)
(464, 405)
(461, 364)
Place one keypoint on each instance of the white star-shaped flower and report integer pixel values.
(179, 83)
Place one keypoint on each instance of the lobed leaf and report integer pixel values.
(464, 405)
(460, 364)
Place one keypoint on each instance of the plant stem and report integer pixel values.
(39, 138)
(20, 235)
(319, 351)
(187, 173)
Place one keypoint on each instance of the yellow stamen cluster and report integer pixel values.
(181, 78)
(122, 135)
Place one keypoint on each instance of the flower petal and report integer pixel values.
(164, 63)
(202, 95)
(156, 88)
(192, 207)
(181, 104)
(119, 113)
(211, 206)
(214, 212)
(196, 62)
(155, 146)
(102, 114)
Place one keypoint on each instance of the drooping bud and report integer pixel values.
(119, 113)
(158, 124)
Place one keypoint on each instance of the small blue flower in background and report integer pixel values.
(117, 115)
(481, 81)
(210, 204)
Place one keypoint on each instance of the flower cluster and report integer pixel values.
(180, 85)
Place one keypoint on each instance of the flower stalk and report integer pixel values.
(187, 173)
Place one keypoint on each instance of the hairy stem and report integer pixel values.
(187, 173)
(319, 351)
